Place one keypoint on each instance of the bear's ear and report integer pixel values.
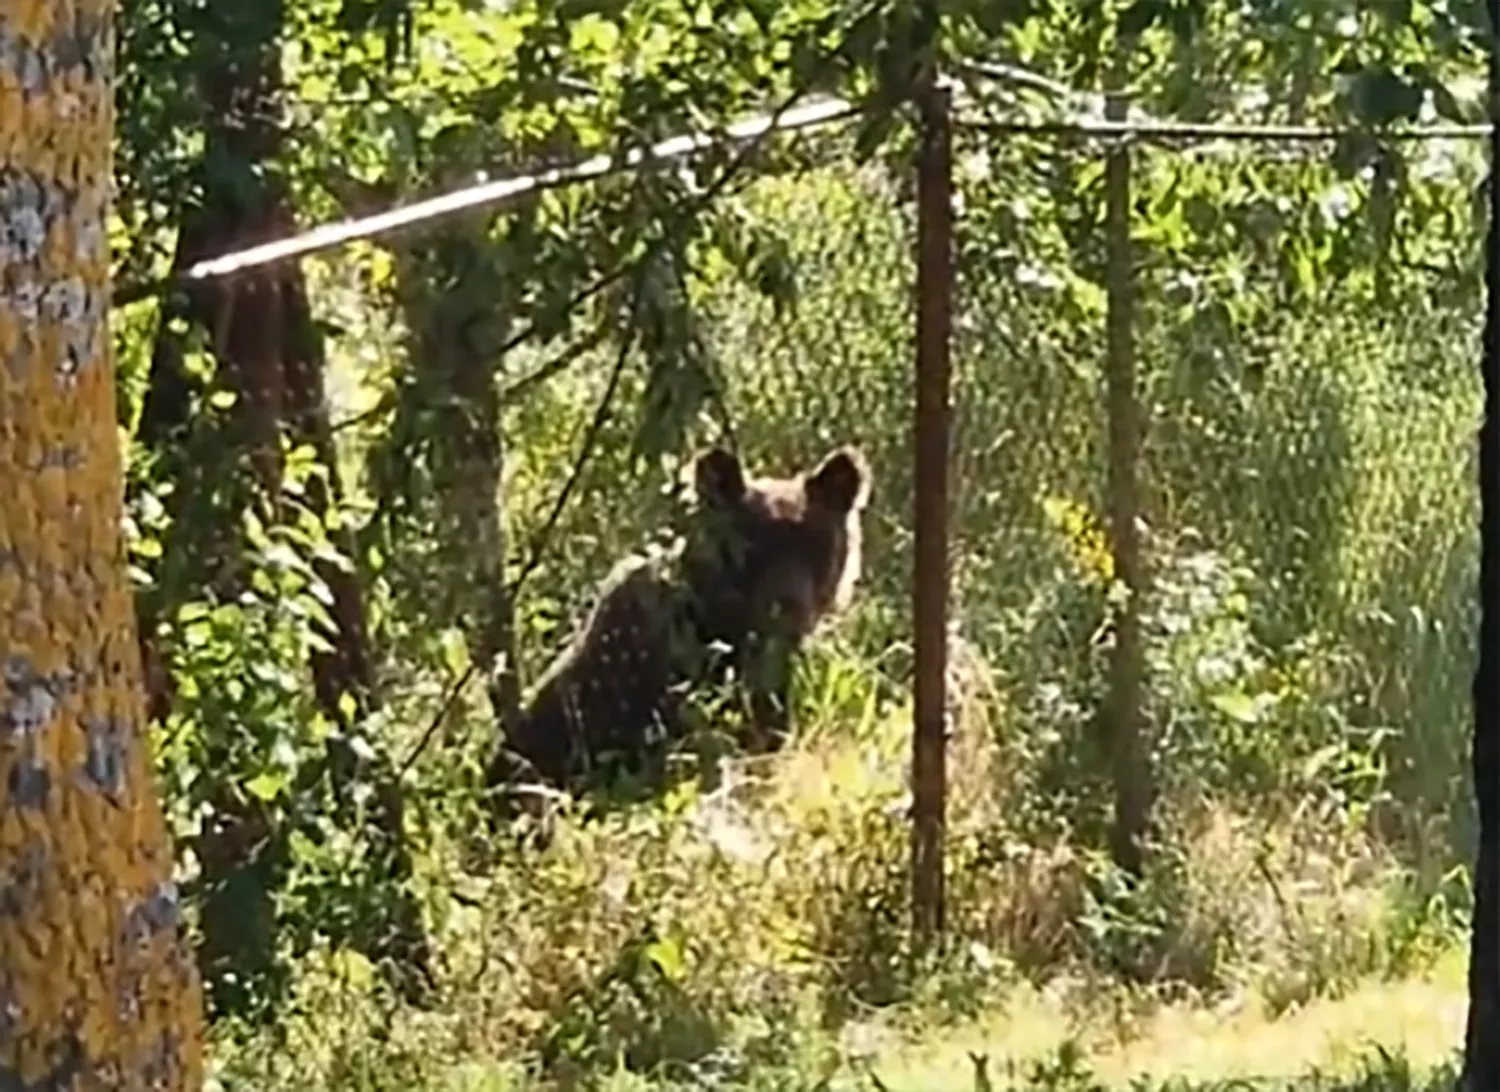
(841, 482)
(718, 477)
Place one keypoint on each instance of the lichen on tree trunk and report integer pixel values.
(97, 986)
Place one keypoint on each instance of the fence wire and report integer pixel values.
(1304, 335)
(1304, 331)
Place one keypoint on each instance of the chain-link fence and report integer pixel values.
(1299, 321)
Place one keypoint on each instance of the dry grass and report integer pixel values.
(766, 920)
(1419, 1019)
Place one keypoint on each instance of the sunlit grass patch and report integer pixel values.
(1122, 1042)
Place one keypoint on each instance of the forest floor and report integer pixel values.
(1379, 1035)
(661, 950)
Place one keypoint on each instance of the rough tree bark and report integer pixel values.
(96, 981)
(1482, 1038)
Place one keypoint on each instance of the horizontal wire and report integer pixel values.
(1210, 131)
(486, 193)
(819, 112)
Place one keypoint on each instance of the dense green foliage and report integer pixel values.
(425, 455)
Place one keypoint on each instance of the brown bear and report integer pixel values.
(761, 563)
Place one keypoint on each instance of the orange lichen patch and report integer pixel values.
(66, 749)
(33, 21)
(61, 246)
(10, 334)
(66, 109)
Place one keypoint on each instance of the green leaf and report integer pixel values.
(266, 786)
(1320, 760)
(1446, 103)
(594, 34)
(574, 9)
(873, 133)
(1237, 706)
(455, 651)
(1397, 13)
(666, 954)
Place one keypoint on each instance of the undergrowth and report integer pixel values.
(720, 938)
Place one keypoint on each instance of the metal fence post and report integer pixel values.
(930, 585)
(1123, 715)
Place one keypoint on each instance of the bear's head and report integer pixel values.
(774, 552)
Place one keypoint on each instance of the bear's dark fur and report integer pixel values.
(763, 561)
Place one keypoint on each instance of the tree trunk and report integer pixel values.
(236, 853)
(471, 434)
(345, 670)
(455, 339)
(270, 354)
(97, 983)
(1482, 1040)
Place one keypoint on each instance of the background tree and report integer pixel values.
(251, 432)
(1482, 1038)
(95, 975)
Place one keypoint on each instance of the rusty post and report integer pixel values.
(930, 586)
(1129, 764)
